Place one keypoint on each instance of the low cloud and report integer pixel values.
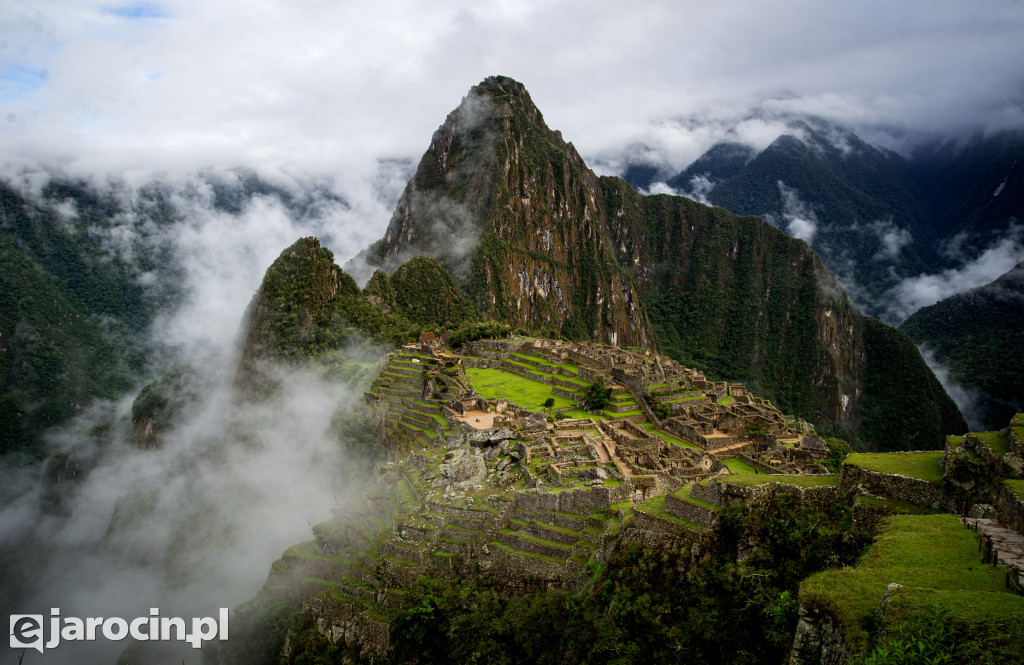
(194, 525)
(970, 401)
(913, 293)
(892, 240)
(800, 220)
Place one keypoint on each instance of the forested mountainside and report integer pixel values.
(875, 216)
(92, 264)
(979, 335)
(68, 313)
(538, 241)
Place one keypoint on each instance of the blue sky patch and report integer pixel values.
(17, 80)
(137, 10)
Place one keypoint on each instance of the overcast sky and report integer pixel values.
(324, 86)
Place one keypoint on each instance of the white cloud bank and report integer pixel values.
(326, 87)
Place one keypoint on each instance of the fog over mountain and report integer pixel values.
(181, 145)
(329, 88)
(105, 528)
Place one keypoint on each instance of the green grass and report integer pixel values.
(668, 437)
(933, 556)
(624, 414)
(923, 465)
(897, 506)
(530, 555)
(547, 363)
(577, 414)
(307, 550)
(529, 394)
(764, 478)
(684, 494)
(999, 443)
(1016, 486)
(738, 466)
(728, 399)
(655, 507)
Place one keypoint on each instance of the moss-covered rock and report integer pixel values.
(380, 291)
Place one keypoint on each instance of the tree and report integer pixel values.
(549, 403)
(595, 396)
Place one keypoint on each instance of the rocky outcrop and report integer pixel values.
(819, 639)
(290, 314)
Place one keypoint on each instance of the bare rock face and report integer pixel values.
(469, 472)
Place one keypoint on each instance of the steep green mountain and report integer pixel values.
(425, 293)
(514, 214)
(540, 242)
(54, 357)
(859, 207)
(979, 335)
(307, 306)
(70, 312)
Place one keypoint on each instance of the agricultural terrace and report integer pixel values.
(529, 394)
(935, 558)
(923, 465)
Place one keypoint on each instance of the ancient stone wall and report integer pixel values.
(1010, 509)
(895, 486)
(689, 511)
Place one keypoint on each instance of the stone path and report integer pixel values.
(610, 446)
(1007, 544)
(731, 446)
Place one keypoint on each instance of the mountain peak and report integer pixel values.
(540, 243)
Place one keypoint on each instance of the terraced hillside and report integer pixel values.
(495, 475)
(495, 472)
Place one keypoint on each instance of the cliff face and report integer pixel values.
(740, 298)
(539, 241)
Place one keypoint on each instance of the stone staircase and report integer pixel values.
(1000, 545)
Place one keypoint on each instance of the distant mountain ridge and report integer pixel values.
(540, 242)
(875, 216)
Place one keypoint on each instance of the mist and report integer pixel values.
(913, 293)
(970, 401)
(195, 524)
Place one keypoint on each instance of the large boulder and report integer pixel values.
(470, 471)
